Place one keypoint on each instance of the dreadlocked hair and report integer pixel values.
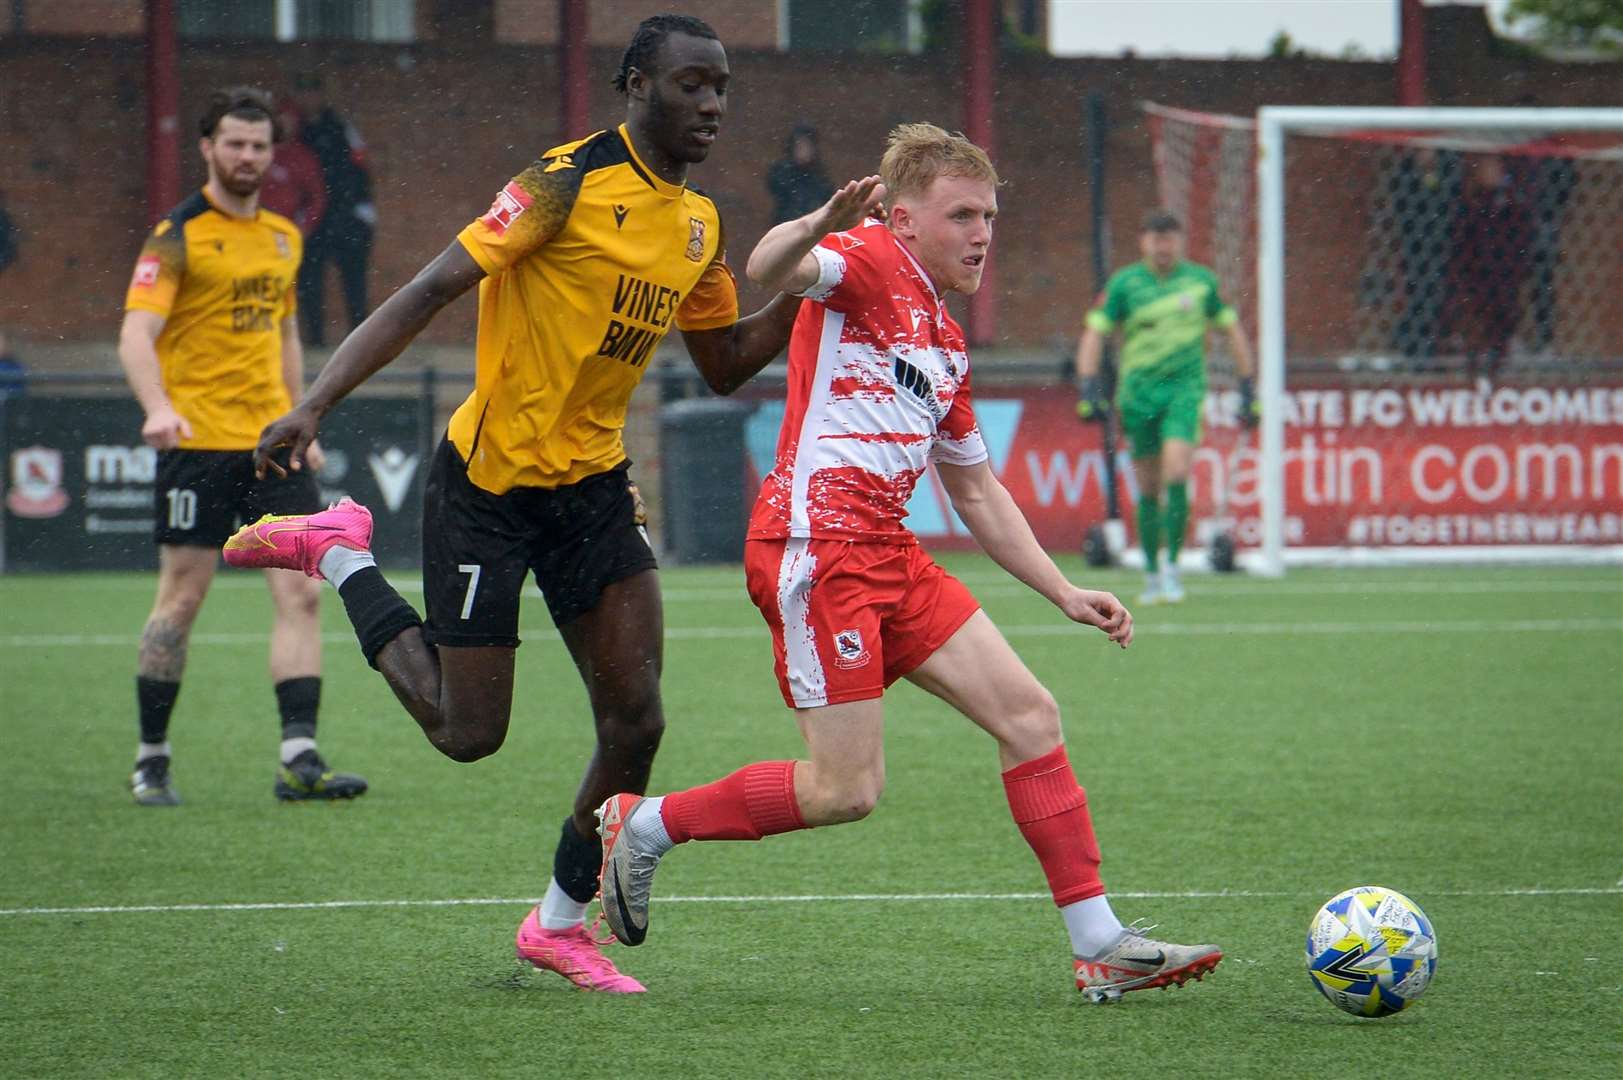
(651, 34)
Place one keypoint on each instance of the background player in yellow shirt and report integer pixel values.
(210, 347)
(584, 262)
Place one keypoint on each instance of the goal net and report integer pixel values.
(1434, 294)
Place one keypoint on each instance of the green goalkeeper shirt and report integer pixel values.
(1163, 320)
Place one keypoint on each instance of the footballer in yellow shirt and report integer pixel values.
(622, 256)
(584, 262)
(210, 347)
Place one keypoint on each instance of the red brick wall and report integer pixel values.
(448, 128)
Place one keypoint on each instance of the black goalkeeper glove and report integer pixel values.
(1250, 407)
(1092, 406)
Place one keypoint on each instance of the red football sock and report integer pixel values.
(1051, 810)
(757, 800)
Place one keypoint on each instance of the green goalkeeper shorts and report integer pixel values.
(1155, 410)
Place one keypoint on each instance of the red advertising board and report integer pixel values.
(1429, 465)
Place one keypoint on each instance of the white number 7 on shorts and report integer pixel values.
(472, 570)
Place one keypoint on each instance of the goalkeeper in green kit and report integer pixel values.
(1163, 308)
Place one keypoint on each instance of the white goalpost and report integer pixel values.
(1436, 296)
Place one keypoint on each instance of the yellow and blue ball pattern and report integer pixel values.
(1371, 951)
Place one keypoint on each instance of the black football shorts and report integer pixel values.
(577, 539)
(201, 496)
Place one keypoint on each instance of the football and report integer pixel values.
(1371, 951)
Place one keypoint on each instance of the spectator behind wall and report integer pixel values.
(293, 184)
(12, 372)
(1489, 264)
(344, 234)
(797, 181)
(1550, 180)
(8, 236)
(1424, 192)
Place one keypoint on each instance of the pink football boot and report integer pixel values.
(572, 953)
(298, 541)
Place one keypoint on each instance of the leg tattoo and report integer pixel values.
(163, 649)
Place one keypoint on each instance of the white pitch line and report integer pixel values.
(809, 898)
(233, 581)
(1259, 587)
(1262, 590)
(1056, 629)
(1064, 629)
(1412, 626)
(1002, 586)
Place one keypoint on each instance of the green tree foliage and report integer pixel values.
(1585, 24)
(1284, 47)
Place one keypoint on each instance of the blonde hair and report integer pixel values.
(915, 154)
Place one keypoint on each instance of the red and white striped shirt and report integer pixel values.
(878, 388)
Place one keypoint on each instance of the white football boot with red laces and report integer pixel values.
(628, 874)
(1137, 962)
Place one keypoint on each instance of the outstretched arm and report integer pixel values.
(368, 349)
(996, 523)
(783, 261)
(732, 355)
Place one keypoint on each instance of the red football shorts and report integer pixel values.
(849, 619)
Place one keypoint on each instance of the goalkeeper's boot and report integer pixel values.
(628, 874)
(572, 953)
(1137, 962)
(1152, 589)
(151, 784)
(298, 541)
(308, 777)
(1171, 584)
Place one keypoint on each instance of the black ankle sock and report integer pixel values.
(376, 611)
(297, 700)
(577, 863)
(156, 700)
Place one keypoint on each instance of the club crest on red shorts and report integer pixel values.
(848, 649)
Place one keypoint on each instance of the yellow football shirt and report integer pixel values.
(591, 259)
(223, 285)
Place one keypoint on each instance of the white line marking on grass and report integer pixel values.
(987, 585)
(1056, 629)
(808, 898)
(229, 580)
(1152, 630)
(1412, 626)
(1263, 589)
